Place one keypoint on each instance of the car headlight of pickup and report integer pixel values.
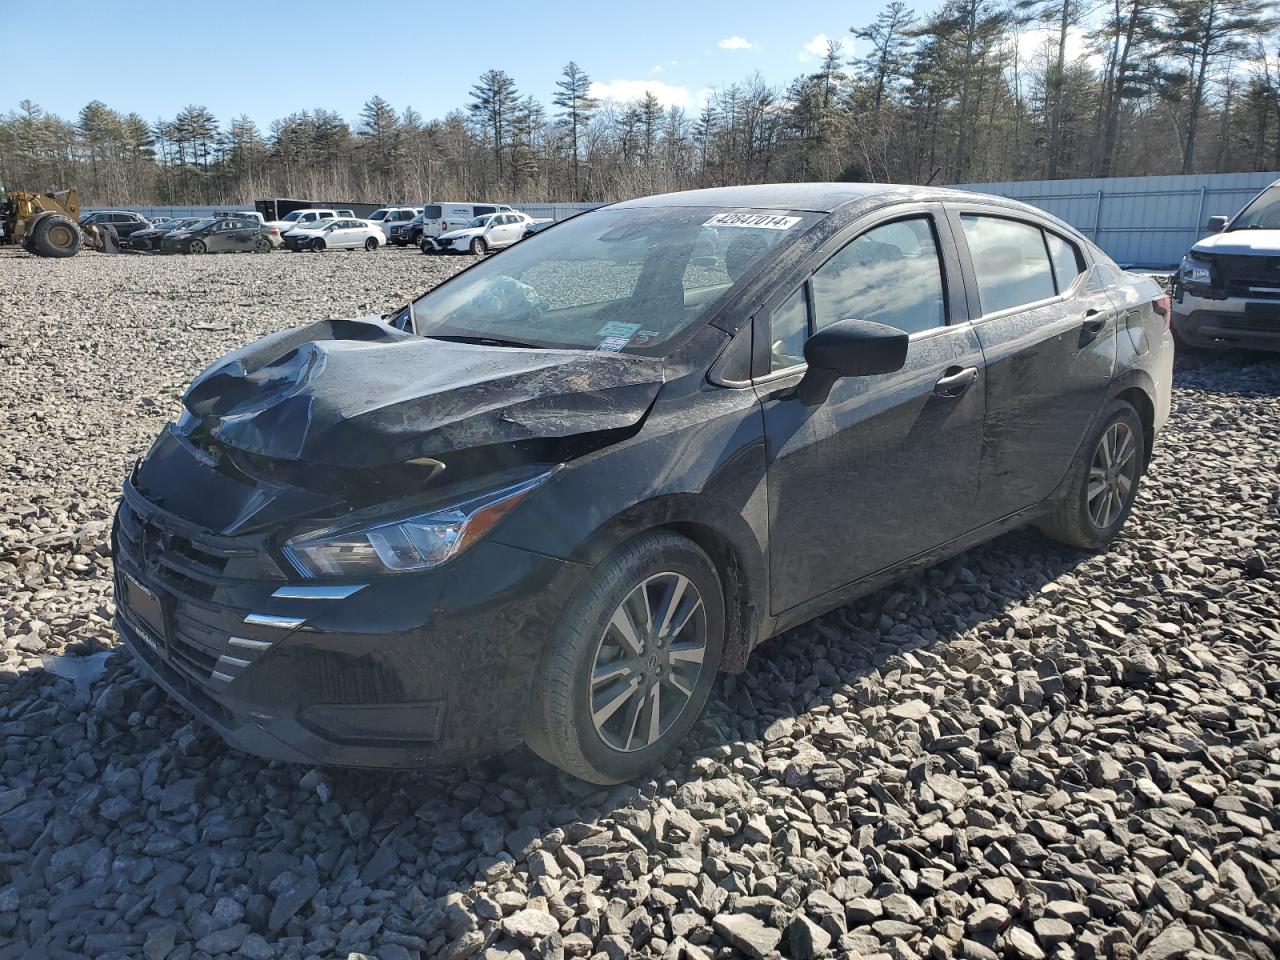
(407, 544)
(1195, 271)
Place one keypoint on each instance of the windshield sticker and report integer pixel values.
(760, 221)
(616, 329)
(645, 338)
(613, 344)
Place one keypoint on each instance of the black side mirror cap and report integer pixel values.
(849, 348)
(1216, 224)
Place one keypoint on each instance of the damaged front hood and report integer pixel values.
(359, 393)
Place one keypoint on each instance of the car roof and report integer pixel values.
(813, 197)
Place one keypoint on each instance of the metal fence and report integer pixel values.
(1139, 221)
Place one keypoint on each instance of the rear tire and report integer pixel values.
(1102, 483)
(262, 246)
(479, 247)
(56, 236)
(197, 247)
(371, 244)
(584, 720)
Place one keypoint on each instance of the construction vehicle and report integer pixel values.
(44, 223)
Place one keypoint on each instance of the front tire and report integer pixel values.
(632, 662)
(1102, 482)
(56, 236)
(318, 245)
(479, 247)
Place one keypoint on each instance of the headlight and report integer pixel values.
(1194, 270)
(407, 544)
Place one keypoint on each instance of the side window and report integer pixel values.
(789, 328)
(1067, 263)
(481, 211)
(891, 274)
(1010, 261)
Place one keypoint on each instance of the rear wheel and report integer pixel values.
(1102, 483)
(56, 236)
(371, 244)
(479, 247)
(632, 662)
(197, 246)
(262, 246)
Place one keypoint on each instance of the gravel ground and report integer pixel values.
(1026, 752)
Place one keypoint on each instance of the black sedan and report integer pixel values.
(150, 238)
(551, 498)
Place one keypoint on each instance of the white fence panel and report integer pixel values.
(1139, 221)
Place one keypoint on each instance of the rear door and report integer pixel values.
(887, 467)
(1048, 330)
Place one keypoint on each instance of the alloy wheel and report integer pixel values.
(648, 662)
(1112, 474)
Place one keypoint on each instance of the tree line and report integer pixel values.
(975, 90)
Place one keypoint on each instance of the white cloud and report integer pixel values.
(736, 43)
(1037, 45)
(817, 47)
(625, 91)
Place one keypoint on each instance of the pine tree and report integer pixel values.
(573, 97)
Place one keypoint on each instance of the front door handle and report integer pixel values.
(1094, 322)
(955, 381)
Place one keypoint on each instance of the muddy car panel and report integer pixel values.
(801, 505)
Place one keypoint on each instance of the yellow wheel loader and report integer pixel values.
(44, 223)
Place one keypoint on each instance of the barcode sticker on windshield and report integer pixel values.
(760, 221)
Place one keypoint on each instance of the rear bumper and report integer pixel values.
(1225, 324)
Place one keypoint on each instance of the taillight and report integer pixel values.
(1165, 308)
(275, 231)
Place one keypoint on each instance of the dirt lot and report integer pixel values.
(1027, 752)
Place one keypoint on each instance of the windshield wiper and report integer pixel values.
(483, 341)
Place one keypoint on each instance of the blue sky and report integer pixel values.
(263, 58)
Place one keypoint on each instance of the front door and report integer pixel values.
(886, 468)
(1048, 330)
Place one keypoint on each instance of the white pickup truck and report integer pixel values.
(1227, 289)
(310, 215)
(492, 231)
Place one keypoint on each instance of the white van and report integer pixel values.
(438, 218)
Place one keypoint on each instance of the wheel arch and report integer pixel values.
(1137, 389)
(724, 536)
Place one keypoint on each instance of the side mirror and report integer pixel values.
(1216, 224)
(849, 348)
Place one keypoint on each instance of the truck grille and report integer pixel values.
(1241, 276)
(207, 642)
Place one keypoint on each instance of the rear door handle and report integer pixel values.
(955, 381)
(1094, 322)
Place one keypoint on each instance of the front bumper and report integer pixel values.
(1252, 323)
(407, 671)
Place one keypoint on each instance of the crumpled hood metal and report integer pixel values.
(359, 393)
(1265, 243)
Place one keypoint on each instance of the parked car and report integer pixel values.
(491, 232)
(1227, 289)
(249, 215)
(563, 489)
(156, 221)
(340, 234)
(302, 217)
(150, 238)
(124, 222)
(385, 218)
(438, 218)
(222, 235)
(407, 233)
